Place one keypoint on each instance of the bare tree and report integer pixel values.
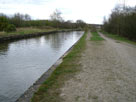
(56, 16)
(81, 23)
(27, 17)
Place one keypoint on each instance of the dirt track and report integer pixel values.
(108, 74)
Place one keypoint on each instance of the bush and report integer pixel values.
(10, 28)
(2, 26)
(3, 22)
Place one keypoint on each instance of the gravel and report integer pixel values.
(108, 73)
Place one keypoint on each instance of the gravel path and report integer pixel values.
(108, 74)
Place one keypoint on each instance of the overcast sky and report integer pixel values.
(91, 11)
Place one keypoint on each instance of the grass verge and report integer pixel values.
(117, 37)
(96, 37)
(30, 30)
(23, 31)
(49, 90)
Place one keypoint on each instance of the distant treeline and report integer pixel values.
(122, 21)
(20, 20)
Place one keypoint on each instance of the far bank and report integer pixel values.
(24, 33)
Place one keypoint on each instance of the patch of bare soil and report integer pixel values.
(108, 74)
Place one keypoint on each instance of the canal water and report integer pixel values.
(22, 62)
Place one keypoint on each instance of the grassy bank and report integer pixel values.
(49, 90)
(28, 30)
(96, 37)
(117, 37)
(22, 31)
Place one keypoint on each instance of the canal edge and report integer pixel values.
(28, 94)
(26, 36)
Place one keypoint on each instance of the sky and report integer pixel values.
(90, 11)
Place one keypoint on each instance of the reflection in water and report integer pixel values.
(3, 48)
(24, 61)
(56, 44)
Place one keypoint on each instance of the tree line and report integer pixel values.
(122, 21)
(24, 20)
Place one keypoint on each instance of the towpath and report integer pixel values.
(108, 73)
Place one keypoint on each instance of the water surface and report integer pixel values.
(23, 62)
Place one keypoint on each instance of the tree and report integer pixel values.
(27, 17)
(19, 20)
(56, 16)
(5, 25)
(81, 23)
(122, 22)
(10, 28)
(3, 22)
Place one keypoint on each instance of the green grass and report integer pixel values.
(31, 30)
(96, 37)
(28, 30)
(119, 38)
(49, 90)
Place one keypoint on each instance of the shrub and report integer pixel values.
(3, 22)
(2, 26)
(10, 28)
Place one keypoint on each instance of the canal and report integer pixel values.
(22, 62)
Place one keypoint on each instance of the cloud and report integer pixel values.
(91, 11)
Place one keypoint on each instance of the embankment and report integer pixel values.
(25, 36)
(50, 75)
